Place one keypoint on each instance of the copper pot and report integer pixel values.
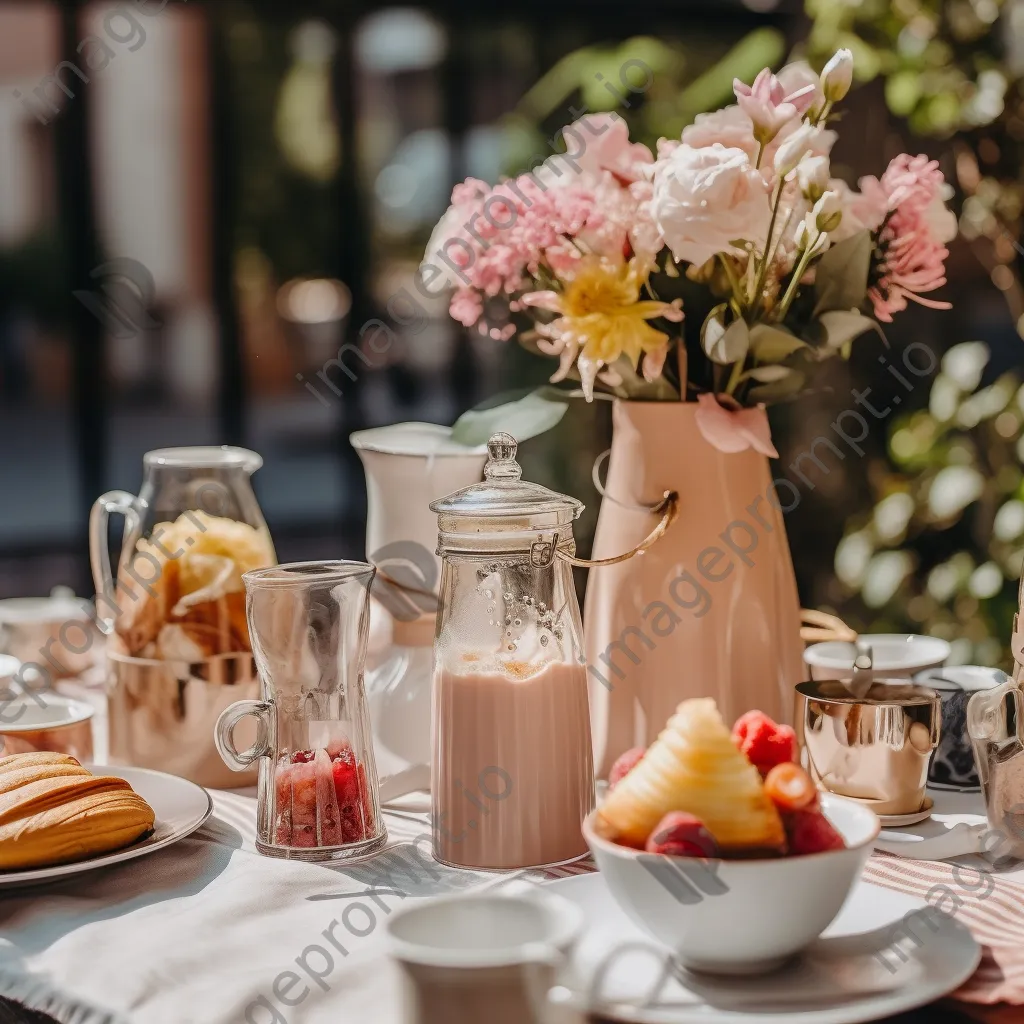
(162, 714)
(871, 744)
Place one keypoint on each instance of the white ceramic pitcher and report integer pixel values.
(407, 465)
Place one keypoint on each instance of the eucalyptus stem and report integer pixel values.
(794, 283)
(733, 282)
(734, 377)
(768, 248)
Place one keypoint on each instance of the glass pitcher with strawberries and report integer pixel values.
(318, 795)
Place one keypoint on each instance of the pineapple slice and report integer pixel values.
(694, 766)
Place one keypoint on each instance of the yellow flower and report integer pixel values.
(602, 318)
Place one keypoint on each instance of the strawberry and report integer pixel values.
(350, 787)
(764, 742)
(679, 834)
(809, 831)
(624, 764)
(304, 804)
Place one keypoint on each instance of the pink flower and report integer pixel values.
(730, 127)
(600, 142)
(466, 306)
(913, 236)
(704, 199)
(734, 429)
(768, 105)
(797, 76)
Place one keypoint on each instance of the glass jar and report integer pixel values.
(317, 796)
(995, 722)
(191, 532)
(512, 764)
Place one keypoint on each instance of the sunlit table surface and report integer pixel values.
(235, 811)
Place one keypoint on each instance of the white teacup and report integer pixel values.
(485, 956)
(893, 655)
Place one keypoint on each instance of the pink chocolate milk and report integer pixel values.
(513, 773)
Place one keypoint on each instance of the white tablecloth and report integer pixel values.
(209, 931)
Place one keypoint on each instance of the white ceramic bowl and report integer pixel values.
(738, 916)
(893, 654)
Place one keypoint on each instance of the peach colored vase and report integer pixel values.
(711, 610)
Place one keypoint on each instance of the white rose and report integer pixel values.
(706, 198)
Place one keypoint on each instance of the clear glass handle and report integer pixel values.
(223, 732)
(118, 503)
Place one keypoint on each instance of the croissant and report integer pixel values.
(694, 766)
(53, 811)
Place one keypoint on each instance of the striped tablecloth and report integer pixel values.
(990, 905)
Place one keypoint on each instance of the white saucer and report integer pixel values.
(180, 807)
(841, 979)
(900, 820)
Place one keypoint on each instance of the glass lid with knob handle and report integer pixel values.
(503, 494)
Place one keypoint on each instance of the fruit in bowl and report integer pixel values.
(719, 845)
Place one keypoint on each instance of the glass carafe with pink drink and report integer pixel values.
(318, 795)
(512, 766)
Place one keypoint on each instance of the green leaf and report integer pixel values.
(767, 374)
(633, 385)
(841, 275)
(770, 344)
(778, 391)
(524, 413)
(841, 326)
(721, 344)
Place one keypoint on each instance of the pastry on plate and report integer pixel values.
(54, 811)
(695, 767)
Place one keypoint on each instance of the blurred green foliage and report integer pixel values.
(946, 63)
(685, 79)
(940, 551)
(954, 70)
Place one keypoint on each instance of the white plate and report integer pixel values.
(838, 980)
(180, 807)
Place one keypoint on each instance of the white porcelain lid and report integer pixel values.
(889, 651)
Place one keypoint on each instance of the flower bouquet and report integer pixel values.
(600, 250)
(594, 258)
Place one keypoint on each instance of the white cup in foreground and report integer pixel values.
(477, 957)
(899, 655)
